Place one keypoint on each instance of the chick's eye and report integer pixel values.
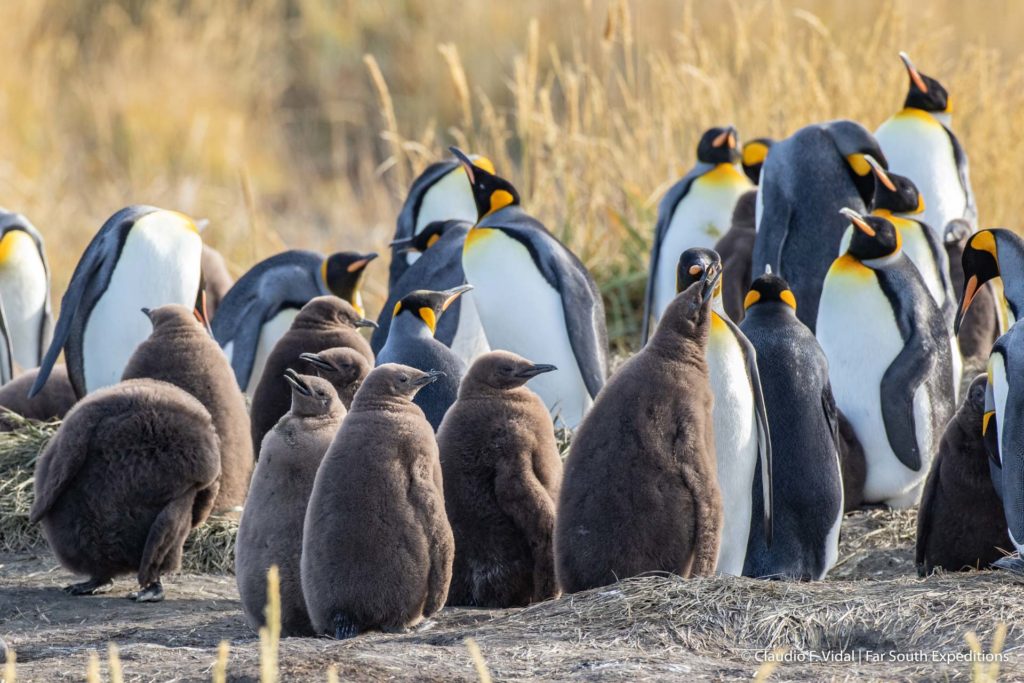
(403, 379)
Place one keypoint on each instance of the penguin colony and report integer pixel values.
(799, 357)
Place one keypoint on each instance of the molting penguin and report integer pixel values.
(142, 257)
(735, 248)
(960, 524)
(181, 351)
(534, 297)
(695, 212)
(326, 322)
(344, 367)
(262, 305)
(640, 492)
(411, 342)
(131, 470)
(502, 473)
(24, 289)
(752, 157)
(919, 144)
(742, 442)
(377, 547)
(806, 179)
(889, 357)
(270, 531)
(806, 478)
(979, 326)
(438, 268)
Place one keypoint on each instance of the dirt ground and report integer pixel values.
(654, 628)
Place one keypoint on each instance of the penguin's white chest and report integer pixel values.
(1000, 391)
(735, 442)
(23, 291)
(450, 198)
(521, 312)
(159, 264)
(470, 340)
(270, 333)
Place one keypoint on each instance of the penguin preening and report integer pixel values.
(806, 480)
(890, 359)
(438, 268)
(739, 421)
(806, 179)
(142, 257)
(736, 248)
(261, 306)
(24, 289)
(920, 145)
(411, 342)
(695, 212)
(534, 297)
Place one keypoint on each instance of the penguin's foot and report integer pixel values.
(90, 587)
(1012, 563)
(344, 628)
(425, 625)
(154, 592)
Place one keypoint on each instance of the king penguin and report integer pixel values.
(438, 268)
(889, 357)
(752, 157)
(919, 144)
(738, 418)
(142, 257)
(24, 289)
(534, 297)
(806, 179)
(261, 306)
(695, 212)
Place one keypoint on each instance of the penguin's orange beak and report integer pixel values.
(970, 291)
(858, 221)
(915, 76)
(880, 173)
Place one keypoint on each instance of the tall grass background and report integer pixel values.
(300, 123)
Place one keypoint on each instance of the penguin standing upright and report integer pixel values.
(24, 289)
(806, 179)
(260, 307)
(889, 357)
(919, 144)
(695, 212)
(738, 417)
(979, 327)
(534, 297)
(142, 257)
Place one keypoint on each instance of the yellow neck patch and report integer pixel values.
(726, 174)
(476, 236)
(427, 316)
(13, 242)
(848, 265)
(499, 200)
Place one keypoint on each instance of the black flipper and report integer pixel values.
(963, 169)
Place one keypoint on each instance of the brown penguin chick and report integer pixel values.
(853, 464)
(960, 522)
(736, 248)
(326, 322)
(52, 402)
(640, 492)
(216, 278)
(131, 470)
(271, 528)
(502, 473)
(980, 327)
(345, 368)
(377, 547)
(181, 351)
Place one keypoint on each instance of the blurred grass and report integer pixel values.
(263, 116)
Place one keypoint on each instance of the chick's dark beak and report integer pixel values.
(293, 378)
(428, 378)
(539, 369)
(316, 361)
(366, 322)
(712, 274)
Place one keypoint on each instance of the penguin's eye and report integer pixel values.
(403, 379)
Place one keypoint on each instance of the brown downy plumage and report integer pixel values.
(640, 492)
(216, 278)
(345, 368)
(326, 322)
(502, 474)
(853, 463)
(960, 523)
(271, 528)
(53, 401)
(131, 470)
(736, 248)
(377, 547)
(181, 351)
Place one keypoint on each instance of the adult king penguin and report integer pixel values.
(142, 257)
(806, 179)
(261, 306)
(738, 417)
(534, 296)
(695, 212)
(919, 144)
(890, 360)
(24, 289)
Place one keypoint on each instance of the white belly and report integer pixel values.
(1000, 390)
(159, 264)
(450, 198)
(270, 334)
(470, 341)
(522, 313)
(735, 443)
(832, 538)
(23, 285)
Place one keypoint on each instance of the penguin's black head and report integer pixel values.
(925, 92)
(694, 263)
(753, 156)
(981, 264)
(855, 144)
(873, 236)
(490, 192)
(894, 193)
(427, 306)
(503, 370)
(343, 273)
(343, 365)
(392, 380)
(718, 146)
(311, 396)
(428, 236)
(770, 289)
